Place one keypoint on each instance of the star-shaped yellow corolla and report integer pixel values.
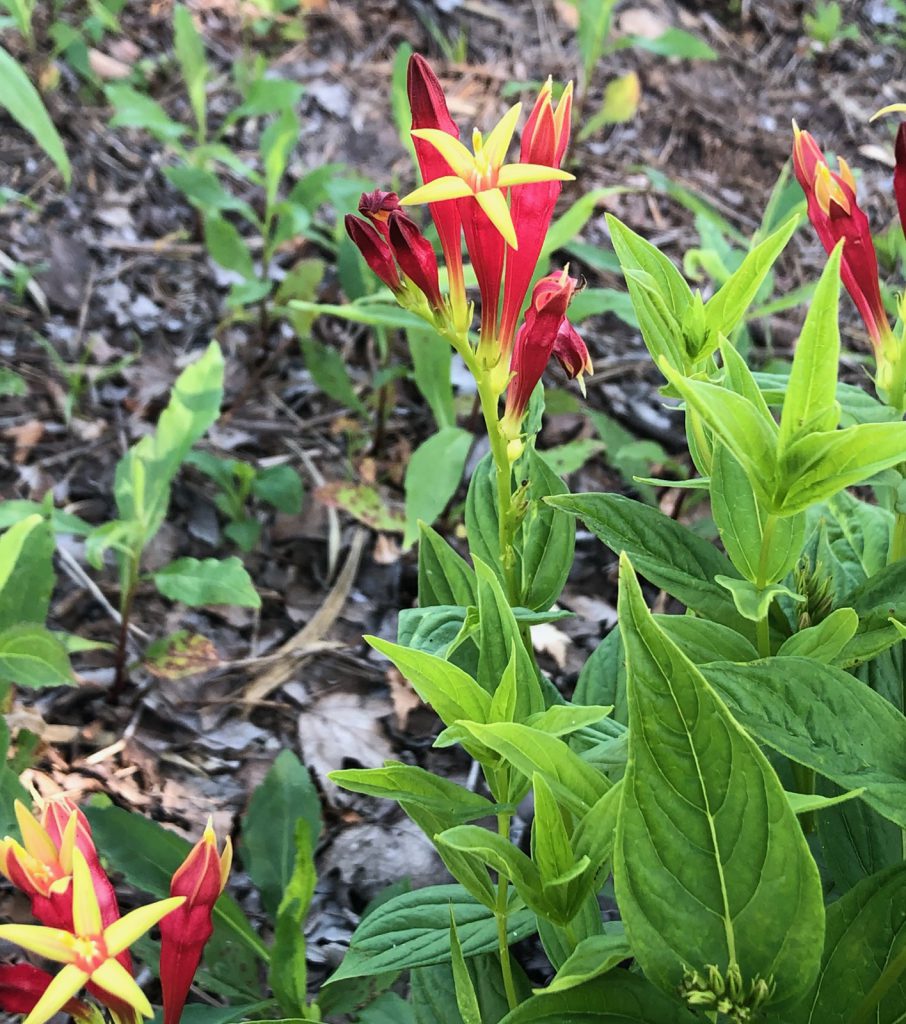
(482, 173)
(90, 950)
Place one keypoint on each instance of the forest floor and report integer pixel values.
(124, 295)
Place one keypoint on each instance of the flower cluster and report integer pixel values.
(57, 866)
(503, 211)
(837, 218)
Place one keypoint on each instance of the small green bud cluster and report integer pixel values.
(726, 994)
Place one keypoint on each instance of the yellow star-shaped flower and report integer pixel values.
(90, 950)
(482, 173)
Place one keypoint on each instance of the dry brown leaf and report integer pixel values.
(107, 68)
(24, 437)
(386, 550)
(547, 639)
(639, 21)
(404, 699)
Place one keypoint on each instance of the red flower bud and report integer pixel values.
(535, 343)
(835, 215)
(184, 932)
(377, 207)
(376, 252)
(571, 352)
(899, 174)
(416, 256)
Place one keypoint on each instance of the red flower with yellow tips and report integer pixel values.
(90, 950)
(835, 215)
(482, 173)
(22, 985)
(199, 881)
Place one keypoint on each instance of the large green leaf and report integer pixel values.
(810, 403)
(189, 48)
(617, 998)
(432, 477)
(285, 797)
(197, 581)
(23, 103)
(413, 930)
(663, 551)
(26, 571)
(443, 576)
(32, 656)
(548, 538)
(825, 719)
(710, 864)
(866, 931)
(433, 993)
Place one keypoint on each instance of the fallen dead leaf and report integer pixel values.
(639, 21)
(404, 699)
(547, 639)
(24, 437)
(107, 68)
(386, 550)
(180, 655)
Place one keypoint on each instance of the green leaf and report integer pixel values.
(529, 750)
(26, 571)
(23, 103)
(286, 798)
(288, 970)
(405, 782)
(810, 402)
(825, 719)
(674, 42)
(882, 596)
(432, 359)
(329, 372)
(620, 103)
(226, 246)
(203, 189)
(443, 576)
(856, 841)
(375, 314)
(748, 431)
(276, 145)
(740, 519)
(816, 467)
(825, 641)
(499, 641)
(190, 53)
(481, 515)
(593, 30)
(702, 641)
(664, 551)
(617, 998)
(452, 693)
(593, 957)
(413, 930)
(280, 487)
(548, 538)
(567, 458)
(32, 656)
(433, 991)
(132, 109)
(710, 865)
(752, 602)
(211, 581)
(153, 463)
(433, 476)
(729, 304)
(866, 933)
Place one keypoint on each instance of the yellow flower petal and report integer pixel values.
(493, 202)
(893, 108)
(562, 108)
(57, 994)
(54, 943)
(34, 835)
(448, 187)
(501, 136)
(126, 930)
(114, 978)
(226, 862)
(67, 843)
(525, 174)
(461, 161)
(86, 914)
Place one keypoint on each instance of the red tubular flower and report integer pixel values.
(377, 207)
(545, 328)
(184, 932)
(376, 252)
(899, 173)
(835, 215)
(429, 110)
(544, 142)
(21, 988)
(416, 257)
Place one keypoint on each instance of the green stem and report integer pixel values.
(897, 539)
(500, 789)
(763, 627)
